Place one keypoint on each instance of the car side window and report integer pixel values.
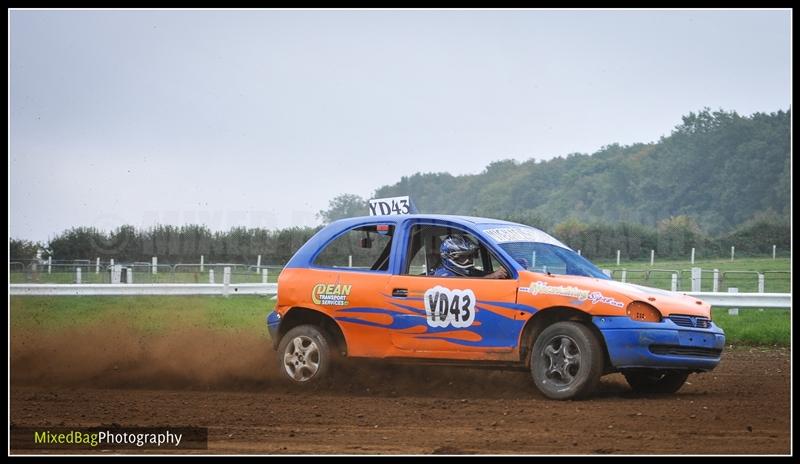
(418, 263)
(423, 256)
(366, 248)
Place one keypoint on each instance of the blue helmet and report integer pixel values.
(457, 253)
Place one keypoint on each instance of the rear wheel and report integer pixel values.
(304, 355)
(566, 361)
(656, 381)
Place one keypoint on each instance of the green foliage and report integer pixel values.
(80, 242)
(677, 235)
(182, 244)
(756, 236)
(674, 238)
(344, 206)
(717, 167)
(22, 249)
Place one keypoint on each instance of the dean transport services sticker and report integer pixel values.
(331, 294)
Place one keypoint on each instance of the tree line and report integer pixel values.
(171, 244)
(717, 167)
(672, 238)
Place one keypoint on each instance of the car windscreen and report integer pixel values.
(544, 258)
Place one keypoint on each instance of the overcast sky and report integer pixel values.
(259, 118)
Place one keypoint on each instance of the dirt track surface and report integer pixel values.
(740, 408)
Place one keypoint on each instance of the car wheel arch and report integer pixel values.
(546, 317)
(298, 315)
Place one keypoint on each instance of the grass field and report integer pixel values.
(146, 313)
(743, 264)
(754, 327)
(160, 314)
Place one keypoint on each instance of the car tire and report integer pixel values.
(566, 361)
(656, 381)
(304, 355)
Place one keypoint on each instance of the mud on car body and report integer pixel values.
(364, 288)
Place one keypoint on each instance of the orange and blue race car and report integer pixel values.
(473, 291)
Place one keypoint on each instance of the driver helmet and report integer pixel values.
(457, 253)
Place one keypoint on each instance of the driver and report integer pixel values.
(457, 253)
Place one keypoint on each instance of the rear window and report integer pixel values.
(365, 248)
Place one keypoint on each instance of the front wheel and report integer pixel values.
(566, 361)
(304, 355)
(656, 381)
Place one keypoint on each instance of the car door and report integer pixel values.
(346, 281)
(451, 317)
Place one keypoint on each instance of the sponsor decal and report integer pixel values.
(521, 234)
(331, 294)
(445, 307)
(382, 229)
(580, 294)
(597, 297)
(541, 288)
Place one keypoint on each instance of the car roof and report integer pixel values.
(441, 217)
(479, 223)
(306, 253)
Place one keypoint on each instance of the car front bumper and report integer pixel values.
(662, 345)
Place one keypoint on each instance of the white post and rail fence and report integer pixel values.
(224, 289)
(715, 298)
(130, 288)
(122, 282)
